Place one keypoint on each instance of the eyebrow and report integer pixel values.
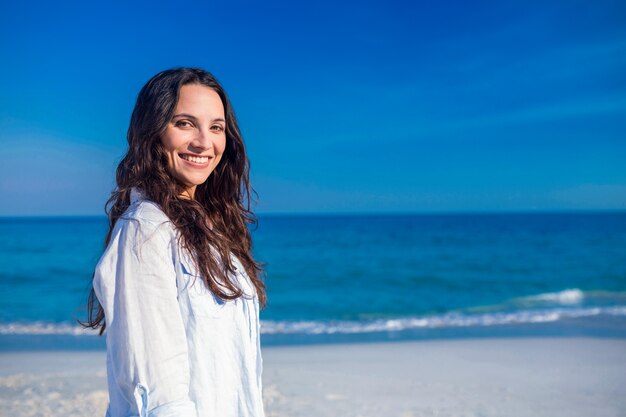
(190, 116)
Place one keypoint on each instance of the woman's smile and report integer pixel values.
(196, 160)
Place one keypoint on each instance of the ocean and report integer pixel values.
(345, 278)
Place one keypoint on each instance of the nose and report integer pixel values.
(202, 141)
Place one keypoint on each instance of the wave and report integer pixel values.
(570, 297)
(433, 322)
(45, 328)
(447, 320)
(565, 297)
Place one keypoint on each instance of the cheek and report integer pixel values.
(220, 145)
(172, 162)
(173, 140)
(169, 151)
(167, 142)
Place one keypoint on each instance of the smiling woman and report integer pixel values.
(177, 288)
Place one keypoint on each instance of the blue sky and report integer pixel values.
(345, 106)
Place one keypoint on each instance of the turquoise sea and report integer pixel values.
(343, 278)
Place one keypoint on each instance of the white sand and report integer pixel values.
(474, 377)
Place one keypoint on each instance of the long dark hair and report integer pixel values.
(223, 200)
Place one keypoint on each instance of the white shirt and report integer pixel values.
(173, 349)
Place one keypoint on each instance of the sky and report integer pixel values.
(345, 107)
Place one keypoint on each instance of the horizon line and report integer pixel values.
(362, 213)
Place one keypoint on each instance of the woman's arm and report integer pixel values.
(135, 282)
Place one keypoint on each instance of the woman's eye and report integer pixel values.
(183, 123)
(217, 127)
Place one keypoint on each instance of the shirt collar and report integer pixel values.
(136, 194)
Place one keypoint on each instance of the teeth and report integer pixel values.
(196, 159)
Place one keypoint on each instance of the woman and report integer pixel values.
(177, 286)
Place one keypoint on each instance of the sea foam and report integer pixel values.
(447, 320)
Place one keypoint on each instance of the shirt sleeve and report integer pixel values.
(135, 282)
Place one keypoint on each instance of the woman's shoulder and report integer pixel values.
(146, 213)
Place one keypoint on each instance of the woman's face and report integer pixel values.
(195, 138)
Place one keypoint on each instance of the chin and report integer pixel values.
(196, 180)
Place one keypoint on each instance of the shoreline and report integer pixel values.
(595, 326)
(512, 376)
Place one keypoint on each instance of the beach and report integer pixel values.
(516, 376)
(518, 314)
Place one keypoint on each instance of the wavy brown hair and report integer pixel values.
(222, 201)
